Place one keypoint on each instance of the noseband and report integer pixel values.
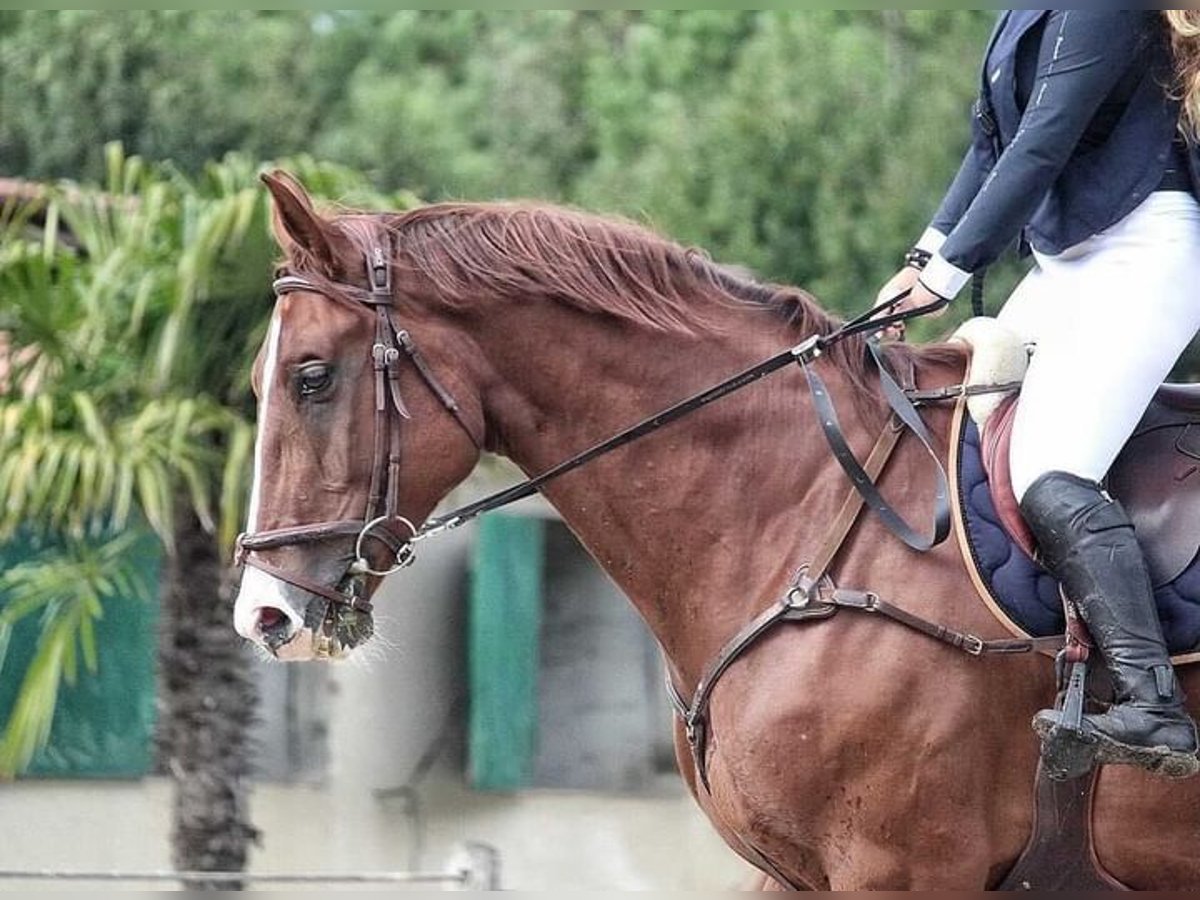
(381, 520)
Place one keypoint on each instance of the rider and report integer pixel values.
(1085, 147)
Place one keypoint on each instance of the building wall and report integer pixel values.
(392, 796)
(546, 840)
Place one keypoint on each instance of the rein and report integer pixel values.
(804, 355)
(383, 522)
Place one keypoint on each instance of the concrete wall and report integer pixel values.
(547, 841)
(387, 710)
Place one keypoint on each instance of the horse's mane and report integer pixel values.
(598, 264)
(602, 265)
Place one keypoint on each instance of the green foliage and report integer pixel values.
(809, 145)
(115, 341)
(132, 321)
(796, 143)
(175, 84)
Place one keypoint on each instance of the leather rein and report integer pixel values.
(382, 520)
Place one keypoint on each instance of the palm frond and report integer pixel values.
(128, 324)
(65, 586)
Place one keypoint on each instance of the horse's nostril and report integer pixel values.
(274, 624)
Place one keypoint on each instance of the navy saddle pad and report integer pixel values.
(1026, 592)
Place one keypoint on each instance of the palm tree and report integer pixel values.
(129, 317)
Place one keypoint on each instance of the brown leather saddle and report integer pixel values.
(1156, 478)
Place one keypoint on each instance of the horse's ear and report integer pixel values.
(298, 226)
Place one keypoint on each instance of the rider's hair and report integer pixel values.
(1185, 41)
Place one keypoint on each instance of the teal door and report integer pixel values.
(504, 626)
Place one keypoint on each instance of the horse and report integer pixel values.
(846, 753)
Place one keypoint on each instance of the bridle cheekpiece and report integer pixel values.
(381, 519)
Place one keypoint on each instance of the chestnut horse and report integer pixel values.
(846, 754)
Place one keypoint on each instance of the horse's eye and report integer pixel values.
(314, 379)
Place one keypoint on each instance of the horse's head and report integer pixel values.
(355, 441)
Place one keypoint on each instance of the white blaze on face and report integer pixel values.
(258, 589)
(268, 382)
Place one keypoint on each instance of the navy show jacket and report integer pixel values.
(1075, 126)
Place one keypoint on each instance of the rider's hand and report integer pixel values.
(922, 296)
(902, 281)
(907, 279)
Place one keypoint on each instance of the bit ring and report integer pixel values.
(404, 556)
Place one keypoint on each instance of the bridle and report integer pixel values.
(381, 520)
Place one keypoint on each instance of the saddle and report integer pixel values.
(1156, 478)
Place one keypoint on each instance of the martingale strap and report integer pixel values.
(864, 483)
(814, 597)
(823, 601)
(694, 715)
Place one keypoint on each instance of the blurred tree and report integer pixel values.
(186, 86)
(795, 142)
(111, 326)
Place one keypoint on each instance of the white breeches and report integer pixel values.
(1109, 318)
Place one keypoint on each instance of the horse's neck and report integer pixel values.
(700, 523)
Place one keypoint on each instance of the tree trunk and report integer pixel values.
(206, 706)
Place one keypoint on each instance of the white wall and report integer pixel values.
(546, 841)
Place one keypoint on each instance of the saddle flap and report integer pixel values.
(1157, 478)
(995, 441)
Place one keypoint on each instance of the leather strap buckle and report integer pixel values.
(866, 601)
(973, 645)
(809, 350)
(379, 271)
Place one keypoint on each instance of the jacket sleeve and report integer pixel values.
(1083, 55)
(963, 190)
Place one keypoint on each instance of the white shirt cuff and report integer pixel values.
(931, 241)
(944, 278)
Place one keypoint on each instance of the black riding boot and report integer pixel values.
(1086, 540)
